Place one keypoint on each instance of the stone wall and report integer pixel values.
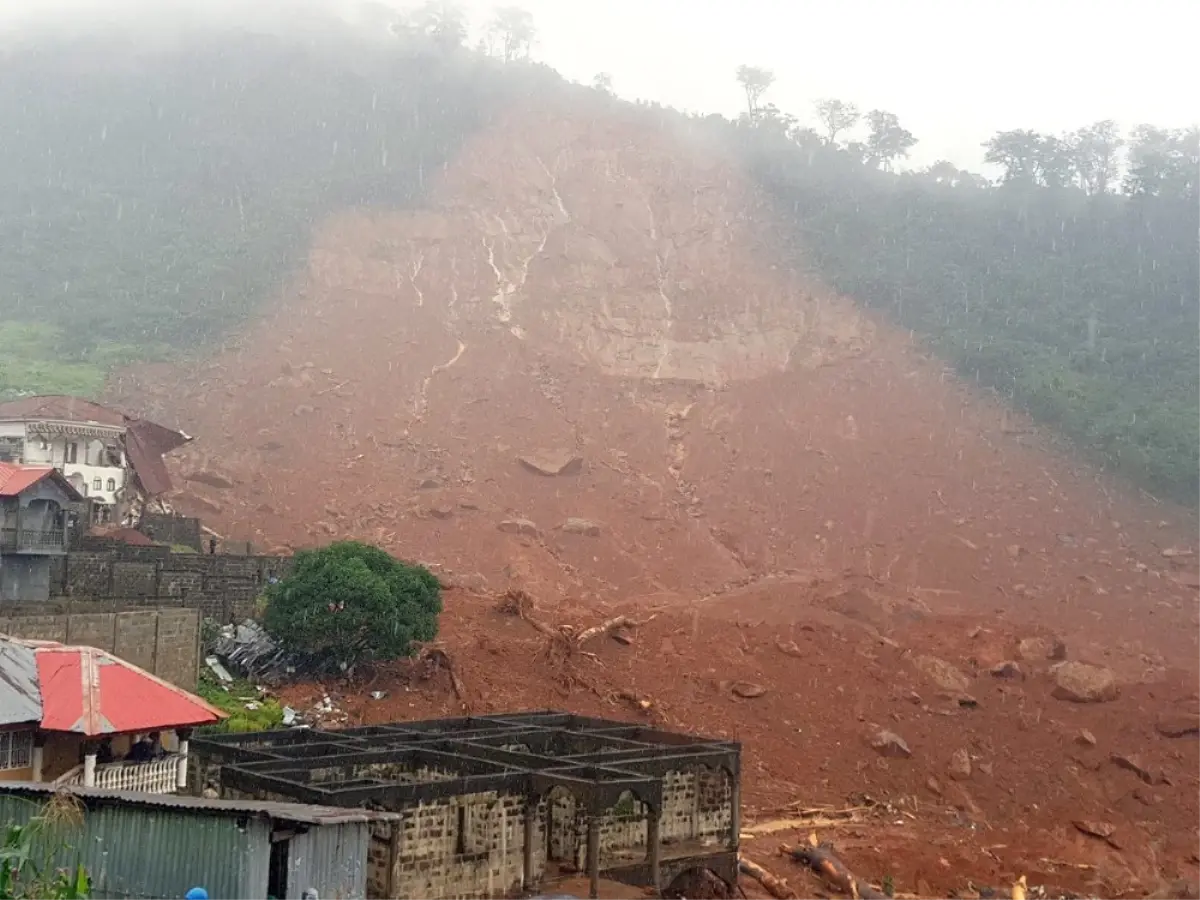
(467, 846)
(697, 810)
(165, 642)
(183, 531)
(221, 586)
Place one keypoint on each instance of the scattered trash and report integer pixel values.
(219, 670)
(289, 716)
(378, 695)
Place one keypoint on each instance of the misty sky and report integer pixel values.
(954, 72)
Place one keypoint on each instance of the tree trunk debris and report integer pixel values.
(775, 886)
(822, 860)
(432, 659)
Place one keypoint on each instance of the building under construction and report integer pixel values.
(492, 805)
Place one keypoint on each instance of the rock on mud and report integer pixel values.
(1035, 649)
(519, 526)
(1082, 683)
(1175, 725)
(552, 462)
(960, 765)
(890, 744)
(586, 527)
(943, 674)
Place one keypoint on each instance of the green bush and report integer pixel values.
(232, 699)
(350, 603)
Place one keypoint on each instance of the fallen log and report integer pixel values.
(606, 627)
(437, 658)
(775, 886)
(822, 860)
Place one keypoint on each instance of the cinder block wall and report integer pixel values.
(165, 642)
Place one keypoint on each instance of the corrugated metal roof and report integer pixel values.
(297, 813)
(137, 851)
(20, 697)
(89, 691)
(60, 408)
(16, 479)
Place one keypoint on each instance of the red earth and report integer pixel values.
(799, 496)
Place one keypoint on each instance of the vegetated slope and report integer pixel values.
(152, 197)
(804, 499)
(1084, 310)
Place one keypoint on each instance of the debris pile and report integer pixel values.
(250, 651)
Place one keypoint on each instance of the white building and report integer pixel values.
(112, 459)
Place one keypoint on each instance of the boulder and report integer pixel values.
(890, 744)
(585, 527)
(441, 511)
(943, 674)
(1174, 725)
(519, 526)
(552, 462)
(1079, 682)
(747, 690)
(1037, 649)
(1007, 669)
(960, 765)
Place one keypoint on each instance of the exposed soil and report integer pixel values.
(803, 499)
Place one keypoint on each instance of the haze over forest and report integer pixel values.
(155, 198)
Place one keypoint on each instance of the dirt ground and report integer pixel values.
(790, 492)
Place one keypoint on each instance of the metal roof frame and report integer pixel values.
(530, 754)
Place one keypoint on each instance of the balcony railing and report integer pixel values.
(159, 776)
(32, 539)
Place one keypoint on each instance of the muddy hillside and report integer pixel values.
(582, 372)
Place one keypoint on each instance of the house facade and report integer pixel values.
(74, 715)
(36, 503)
(113, 460)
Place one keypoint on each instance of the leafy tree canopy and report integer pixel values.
(350, 603)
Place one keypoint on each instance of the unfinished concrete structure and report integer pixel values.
(495, 804)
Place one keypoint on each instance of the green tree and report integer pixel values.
(836, 116)
(887, 140)
(442, 22)
(1095, 148)
(510, 33)
(1163, 162)
(350, 603)
(1018, 152)
(755, 82)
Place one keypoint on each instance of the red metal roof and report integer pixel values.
(15, 479)
(90, 692)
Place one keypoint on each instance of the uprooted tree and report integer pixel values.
(351, 603)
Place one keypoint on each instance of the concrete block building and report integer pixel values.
(495, 804)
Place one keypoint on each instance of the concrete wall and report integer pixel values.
(221, 586)
(165, 642)
(24, 579)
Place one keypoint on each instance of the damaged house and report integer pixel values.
(487, 806)
(113, 460)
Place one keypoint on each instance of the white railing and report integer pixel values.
(155, 777)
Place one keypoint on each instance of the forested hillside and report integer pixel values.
(150, 202)
(1076, 297)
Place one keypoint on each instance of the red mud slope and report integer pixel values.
(808, 502)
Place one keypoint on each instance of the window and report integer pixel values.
(16, 749)
(97, 484)
(72, 453)
(112, 484)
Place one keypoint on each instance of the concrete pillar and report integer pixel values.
(735, 811)
(39, 755)
(182, 763)
(593, 856)
(527, 875)
(654, 848)
(89, 768)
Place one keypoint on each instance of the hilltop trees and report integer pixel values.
(510, 34)
(755, 82)
(1078, 303)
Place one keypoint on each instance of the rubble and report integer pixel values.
(250, 651)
